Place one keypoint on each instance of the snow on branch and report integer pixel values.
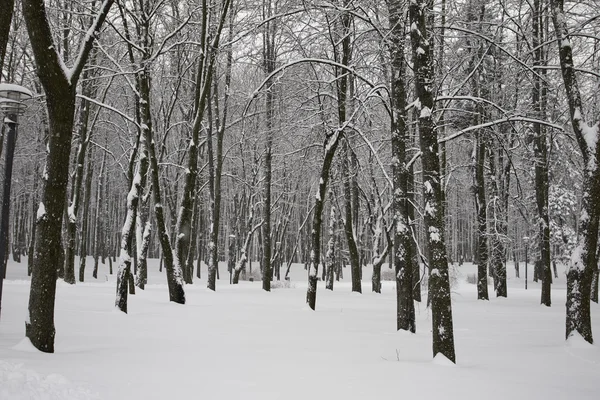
(496, 122)
(88, 42)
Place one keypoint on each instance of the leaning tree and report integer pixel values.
(59, 82)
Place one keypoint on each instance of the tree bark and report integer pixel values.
(76, 187)
(331, 144)
(540, 150)
(441, 305)
(60, 87)
(330, 255)
(98, 223)
(403, 263)
(583, 260)
(7, 7)
(83, 242)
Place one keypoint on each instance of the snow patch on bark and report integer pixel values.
(434, 234)
(41, 212)
(576, 260)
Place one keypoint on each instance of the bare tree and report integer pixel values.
(583, 260)
(439, 287)
(59, 83)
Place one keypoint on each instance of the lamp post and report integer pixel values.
(526, 240)
(11, 106)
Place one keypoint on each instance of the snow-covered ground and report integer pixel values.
(243, 343)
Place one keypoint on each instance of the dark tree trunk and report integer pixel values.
(59, 86)
(7, 7)
(138, 186)
(143, 233)
(76, 187)
(414, 253)
(330, 256)
(174, 273)
(441, 305)
(34, 205)
(98, 221)
(189, 264)
(331, 144)
(594, 295)
(481, 211)
(403, 263)
(355, 265)
(540, 149)
(583, 261)
(83, 241)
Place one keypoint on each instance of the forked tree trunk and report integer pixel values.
(138, 186)
(331, 144)
(84, 132)
(60, 88)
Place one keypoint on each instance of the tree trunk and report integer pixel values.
(330, 256)
(441, 305)
(481, 211)
(403, 260)
(76, 187)
(355, 266)
(143, 233)
(7, 7)
(83, 246)
(60, 88)
(331, 144)
(540, 149)
(98, 221)
(583, 260)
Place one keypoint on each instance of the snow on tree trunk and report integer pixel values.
(60, 88)
(98, 224)
(355, 265)
(583, 259)
(143, 232)
(478, 160)
(441, 305)
(128, 230)
(330, 256)
(403, 263)
(540, 149)
(76, 188)
(331, 144)
(83, 241)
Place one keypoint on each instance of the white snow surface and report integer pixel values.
(243, 343)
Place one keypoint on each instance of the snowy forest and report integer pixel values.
(197, 173)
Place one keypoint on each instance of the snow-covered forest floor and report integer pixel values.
(243, 343)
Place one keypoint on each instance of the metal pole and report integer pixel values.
(11, 140)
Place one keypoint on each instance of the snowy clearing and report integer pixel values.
(243, 343)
